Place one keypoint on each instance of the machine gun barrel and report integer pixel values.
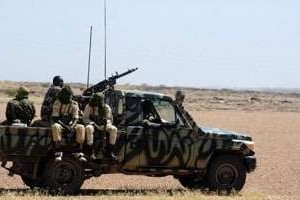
(117, 76)
(103, 85)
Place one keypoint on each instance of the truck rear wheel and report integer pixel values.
(64, 177)
(226, 173)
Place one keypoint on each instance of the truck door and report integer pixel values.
(165, 142)
(134, 133)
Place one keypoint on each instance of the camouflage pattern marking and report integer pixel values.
(25, 141)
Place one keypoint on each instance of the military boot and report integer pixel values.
(110, 153)
(58, 156)
(79, 155)
(58, 153)
(91, 151)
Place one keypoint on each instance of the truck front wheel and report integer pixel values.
(226, 173)
(64, 177)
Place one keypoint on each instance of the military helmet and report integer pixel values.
(65, 95)
(179, 94)
(22, 92)
(58, 81)
(97, 99)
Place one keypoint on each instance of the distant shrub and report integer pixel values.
(11, 92)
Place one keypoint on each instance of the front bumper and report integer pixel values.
(250, 163)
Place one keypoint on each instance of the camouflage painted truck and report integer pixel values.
(198, 157)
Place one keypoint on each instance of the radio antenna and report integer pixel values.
(105, 39)
(89, 61)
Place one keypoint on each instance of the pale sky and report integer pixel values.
(217, 43)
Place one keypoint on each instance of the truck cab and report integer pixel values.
(171, 143)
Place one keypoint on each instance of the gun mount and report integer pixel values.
(101, 86)
(106, 84)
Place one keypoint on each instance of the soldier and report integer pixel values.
(20, 109)
(65, 114)
(179, 98)
(98, 115)
(150, 116)
(50, 98)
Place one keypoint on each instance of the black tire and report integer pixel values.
(190, 182)
(64, 177)
(226, 173)
(32, 183)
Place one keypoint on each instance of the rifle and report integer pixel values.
(69, 130)
(107, 83)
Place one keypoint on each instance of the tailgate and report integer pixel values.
(24, 141)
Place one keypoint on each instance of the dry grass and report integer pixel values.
(124, 194)
(136, 195)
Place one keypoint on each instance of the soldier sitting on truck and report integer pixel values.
(65, 114)
(97, 115)
(50, 97)
(20, 109)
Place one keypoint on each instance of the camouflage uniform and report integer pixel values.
(92, 113)
(50, 97)
(65, 114)
(48, 102)
(20, 108)
(98, 115)
(179, 99)
(67, 111)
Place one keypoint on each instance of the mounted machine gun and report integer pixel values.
(106, 84)
(101, 86)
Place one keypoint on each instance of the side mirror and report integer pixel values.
(171, 124)
(145, 124)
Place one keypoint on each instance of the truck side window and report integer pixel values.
(149, 112)
(120, 106)
(134, 113)
(165, 111)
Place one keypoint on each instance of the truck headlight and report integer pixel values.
(249, 144)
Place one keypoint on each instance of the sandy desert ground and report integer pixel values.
(272, 119)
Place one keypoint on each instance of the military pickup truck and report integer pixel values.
(170, 143)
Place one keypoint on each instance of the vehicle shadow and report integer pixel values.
(133, 192)
(93, 192)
